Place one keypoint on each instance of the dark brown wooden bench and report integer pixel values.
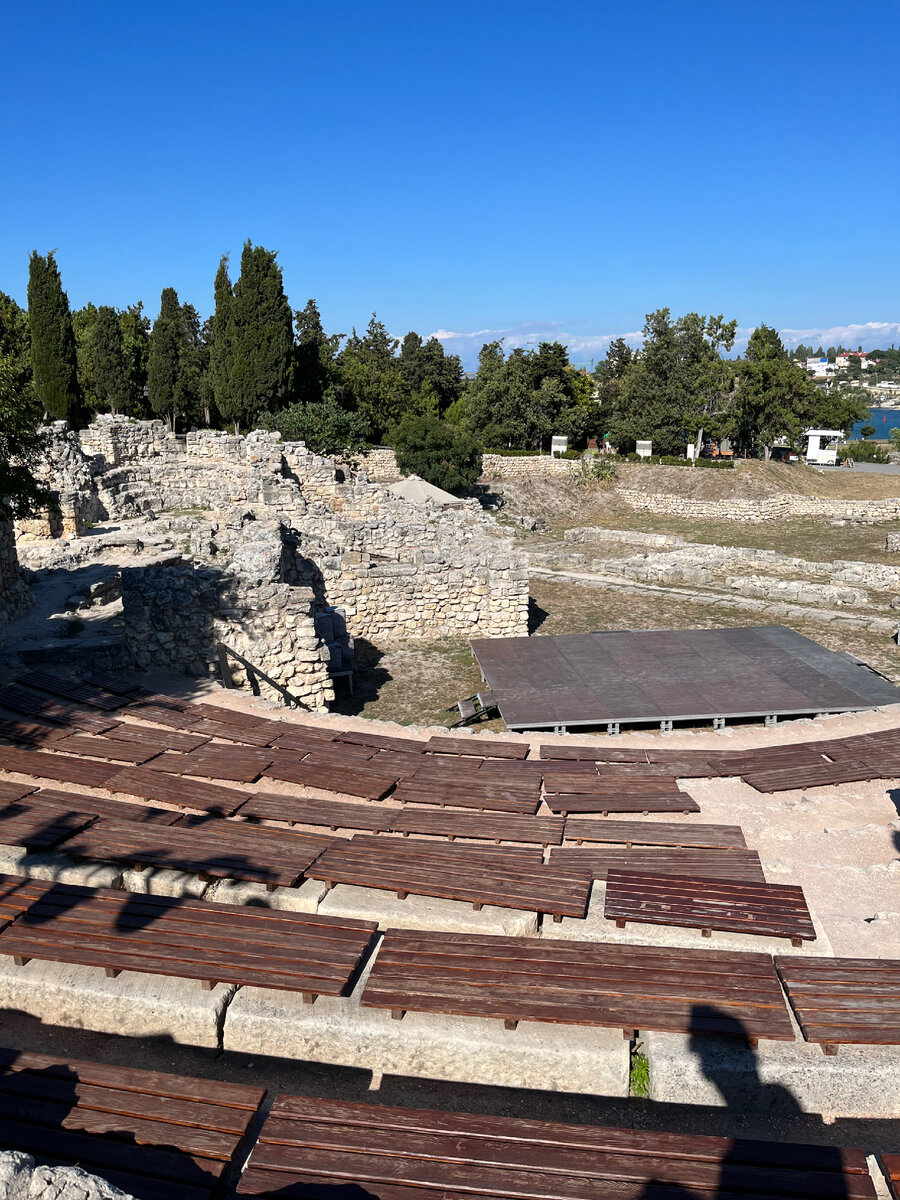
(560, 783)
(708, 863)
(622, 801)
(188, 939)
(64, 768)
(825, 774)
(31, 733)
(763, 909)
(241, 721)
(461, 789)
(9, 790)
(492, 827)
(654, 833)
(38, 826)
(476, 747)
(844, 1000)
(379, 741)
(17, 895)
(118, 684)
(309, 810)
(109, 749)
(505, 876)
(216, 760)
(155, 1136)
(32, 704)
(891, 1164)
(102, 806)
(350, 780)
(159, 711)
(209, 847)
(157, 740)
(312, 1148)
(170, 789)
(302, 738)
(578, 983)
(71, 689)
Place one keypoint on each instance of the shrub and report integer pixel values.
(440, 453)
(323, 425)
(863, 452)
(598, 467)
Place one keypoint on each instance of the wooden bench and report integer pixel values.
(310, 1147)
(156, 740)
(837, 1001)
(463, 790)
(185, 793)
(891, 1164)
(622, 801)
(708, 863)
(825, 774)
(348, 781)
(477, 747)
(561, 783)
(71, 689)
(17, 895)
(209, 847)
(64, 768)
(654, 833)
(492, 827)
(309, 810)
(31, 733)
(578, 983)
(763, 909)
(9, 790)
(188, 939)
(101, 806)
(239, 764)
(39, 826)
(109, 749)
(379, 741)
(31, 704)
(505, 876)
(155, 1136)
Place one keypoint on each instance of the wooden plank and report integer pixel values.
(73, 690)
(502, 827)
(477, 747)
(38, 826)
(844, 1000)
(106, 748)
(764, 909)
(188, 939)
(100, 806)
(216, 760)
(891, 1164)
(157, 740)
(10, 790)
(185, 793)
(654, 833)
(206, 846)
(623, 802)
(491, 795)
(65, 768)
(32, 704)
(308, 810)
(707, 863)
(31, 733)
(587, 983)
(349, 781)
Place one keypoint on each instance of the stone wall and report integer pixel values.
(380, 464)
(14, 593)
(769, 509)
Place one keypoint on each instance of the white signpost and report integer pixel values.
(558, 444)
(645, 449)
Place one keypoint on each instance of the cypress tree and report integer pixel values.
(261, 331)
(53, 356)
(108, 359)
(221, 348)
(167, 346)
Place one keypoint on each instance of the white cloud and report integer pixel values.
(582, 347)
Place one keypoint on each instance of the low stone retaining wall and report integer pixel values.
(527, 466)
(769, 509)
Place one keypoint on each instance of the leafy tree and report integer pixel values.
(841, 408)
(259, 341)
(677, 386)
(53, 356)
(315, 368)
(442, 454)
(422, 365)
(168, 346)
(136, 352)
(191, 395)
(15, 338)
(775, 397)
(323, 425)
(221, 350)
(107, 356)
(867, 431)
(370, 379)
(20, 445)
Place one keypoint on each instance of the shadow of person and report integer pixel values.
(726, 1054)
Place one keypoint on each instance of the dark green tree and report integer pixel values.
(260, 339)
(53, 355)
(425, 365)
(840, 408)
(315, 368)
(221, 350)
(107, 355)
(370, 379)
(136, 353)
(191, 393)
(324, 426)
(20, 446)
(775, 397)
(441, 453)
(168, 346)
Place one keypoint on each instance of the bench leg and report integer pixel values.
(402, 895)
(557, 917)
(706, 933)
(397, 1014)
(510, 1024)
(309, 997)
(207, 984)
(620, 924)
(111, 972)
(477, 906)
(829, 1048)
(796, 941)
(19, 961)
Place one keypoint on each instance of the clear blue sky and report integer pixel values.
(505, 167)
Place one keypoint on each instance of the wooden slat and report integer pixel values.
(32, 704)
(106, 748)
(495, 827)
(763, 909)
(583, 983)
(73, 690)
(784, 779)
(101, 806)
(157, 740)
(206, 846)
(891, 1164)
(16, 896)
(349, 781)
(477, 747)
(186, 793)
(31, 733)
(623, 802)
(189, 939)
(654, 833)
(9, 790)
(216, 760)
(503, 876)
(707, 863)
(307, 810)
(844, 1000)
(65, 768)
(465, 791)
(38, 826)
(159, 1135)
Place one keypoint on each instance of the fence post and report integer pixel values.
(224, 669)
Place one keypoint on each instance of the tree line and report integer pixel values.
(257, 362)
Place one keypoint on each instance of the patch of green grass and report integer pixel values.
(639, 1076)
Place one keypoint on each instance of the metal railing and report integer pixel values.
(254, 674)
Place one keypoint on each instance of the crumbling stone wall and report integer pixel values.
(14, 594)
(769, 509)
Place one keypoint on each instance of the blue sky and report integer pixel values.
(480, 169)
